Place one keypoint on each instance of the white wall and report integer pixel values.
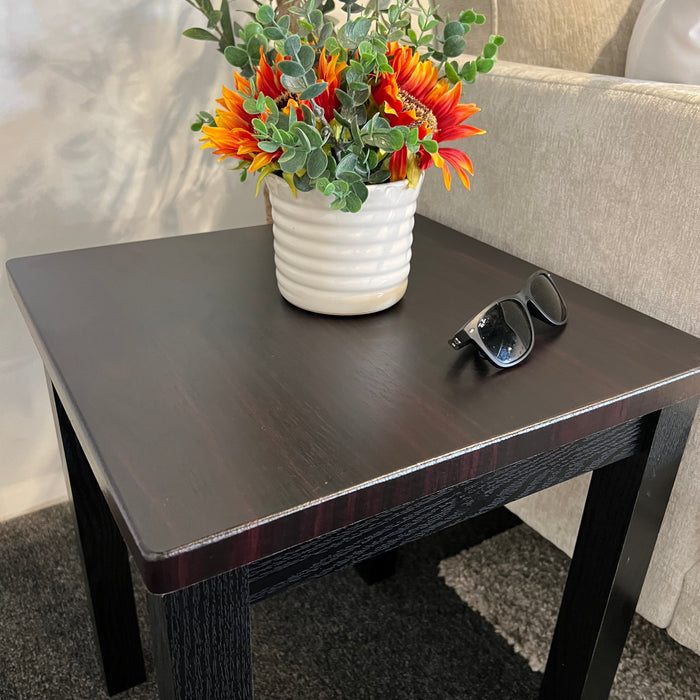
(95, 105)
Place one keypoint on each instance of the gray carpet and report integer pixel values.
(410, 637)
(515, 580)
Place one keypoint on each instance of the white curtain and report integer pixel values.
(96, 104)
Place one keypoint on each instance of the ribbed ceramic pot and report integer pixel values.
(339, 263)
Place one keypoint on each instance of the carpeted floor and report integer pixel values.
(409, 637)
(515, 580)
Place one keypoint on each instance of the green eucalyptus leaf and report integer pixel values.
(303, 183)
(468, 72)
(310, 133)
(380, 139)
(451, 73)
(291, 68)
(360, 189)
(292, 44)
(308, 115)
(365, 48)
(259, 125)
(313, 91)
(453, 29)
(484, 65)
(331, 45)
(347, 164)
(341, 187)
(250, 30)
(397, 140)
(265, 15)
(341, 119)
(490, 50)
(379, 176)
(361, 28)
(236, 56)
(454, 46)
(480, 19)
(338, 204)
(293, 160)
(430, 146)
(283, 23)
(306, 56)
(353, 203)
(273, 33)
(250, 106)
(325, 33)
(355, 131)
(199, 33)
(268, 146)
(293, 84)
(316, 164)
(253, 46)
(316, 17)
(498, 40)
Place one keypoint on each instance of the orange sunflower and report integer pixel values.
(329, 71)
(233, 136)
(414, 96)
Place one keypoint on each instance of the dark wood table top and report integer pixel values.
(224, 424)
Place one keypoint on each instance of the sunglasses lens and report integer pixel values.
(547, 297)
(505, 331)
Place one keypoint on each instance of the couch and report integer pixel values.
(597, 178)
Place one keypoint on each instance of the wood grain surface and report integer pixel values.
(224, 425)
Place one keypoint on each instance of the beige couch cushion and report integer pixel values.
(597, 179)
(591, 37)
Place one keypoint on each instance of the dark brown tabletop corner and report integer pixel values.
(224, 426)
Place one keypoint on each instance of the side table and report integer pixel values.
(234, 445)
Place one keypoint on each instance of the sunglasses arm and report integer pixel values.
(460, 339)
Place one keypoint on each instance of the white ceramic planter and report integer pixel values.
(333, 262)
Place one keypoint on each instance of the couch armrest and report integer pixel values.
(598, 179)
(595, 177)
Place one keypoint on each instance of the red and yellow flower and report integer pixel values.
(414, 96)
(234, 134)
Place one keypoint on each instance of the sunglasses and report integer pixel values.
(504, 331)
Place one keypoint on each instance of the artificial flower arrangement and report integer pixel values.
(339, 106)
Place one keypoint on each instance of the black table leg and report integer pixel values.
(621, 519)
(379, 567)
(201, 639)
(105, 565)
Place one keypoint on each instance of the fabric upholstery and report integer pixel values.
(591, 37)
(597, 178)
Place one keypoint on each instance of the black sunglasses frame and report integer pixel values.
(470, 332)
